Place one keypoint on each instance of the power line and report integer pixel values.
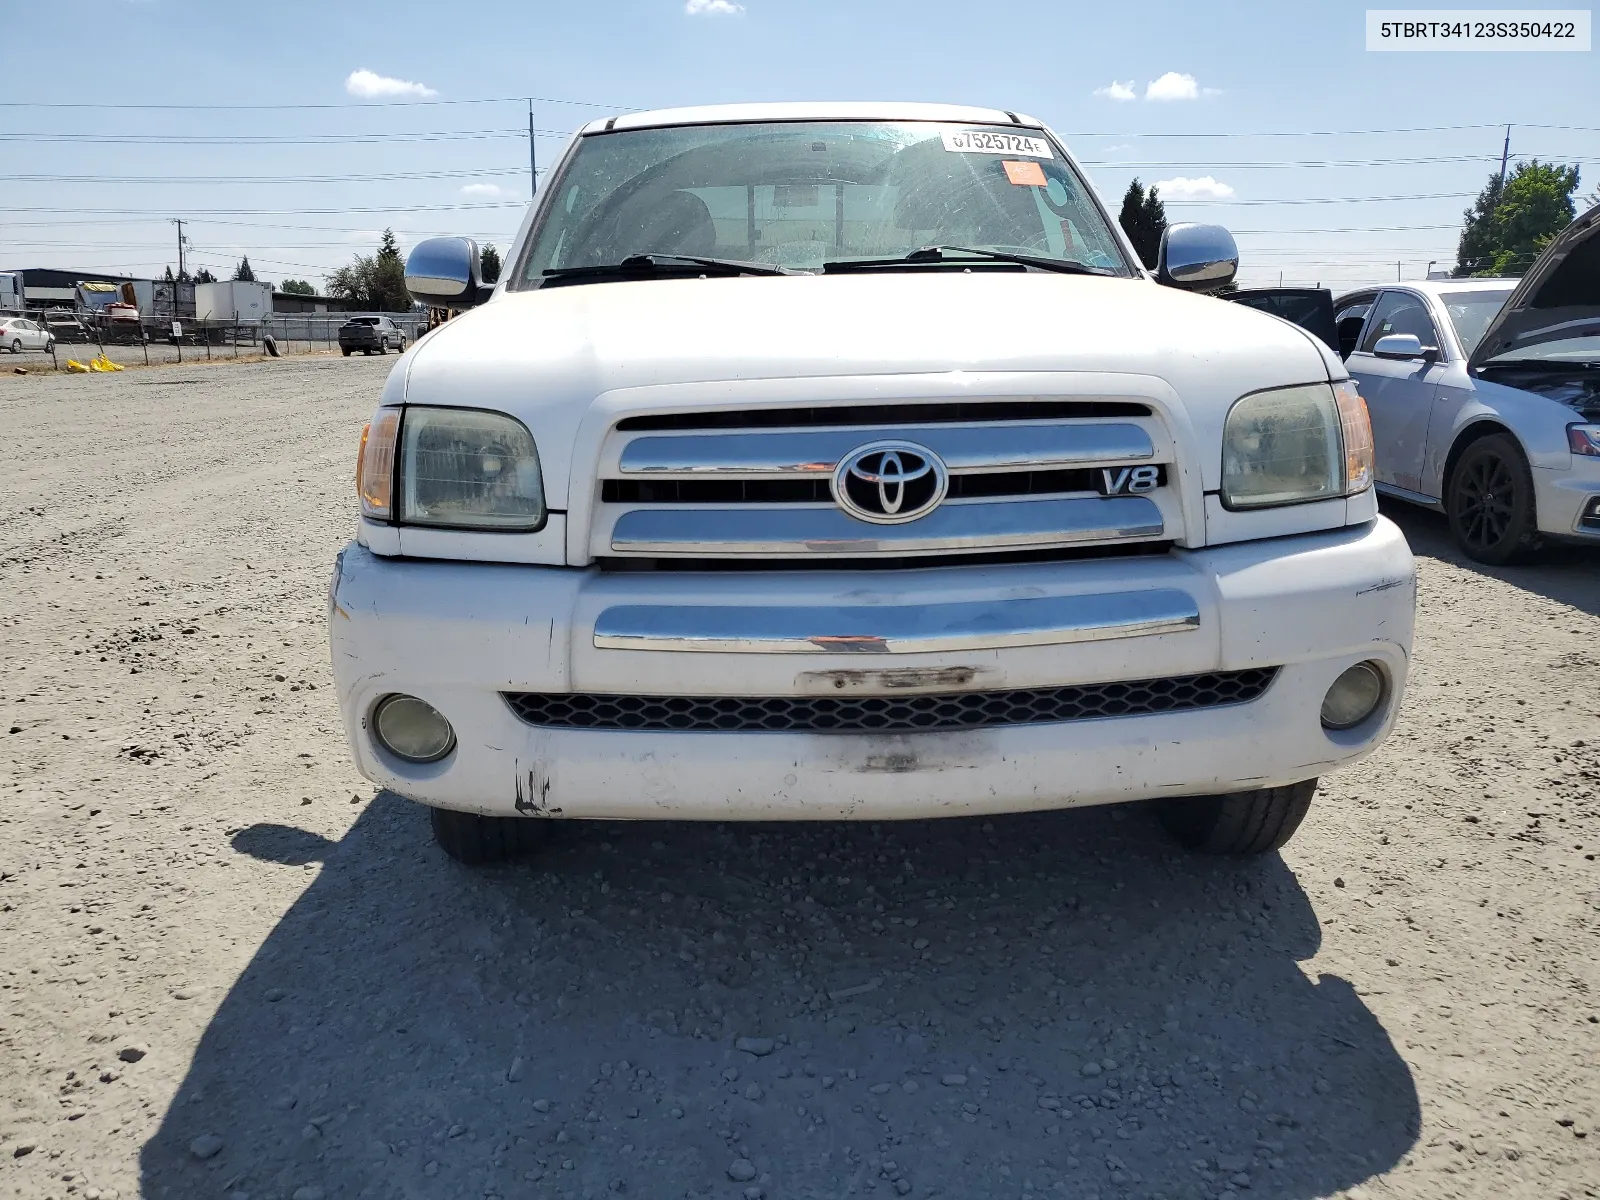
(439, 103)
(260, 179)
(1212, 164)
(267, 212)
(1298, 133)
(101, 223)
(1349, 229)
(320, 139)
(497, 172)
(288, 107)
(1326, 199)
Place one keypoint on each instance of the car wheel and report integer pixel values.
(345, 350)
(478, 840)
(1491, 504)
(383, 346)
(1256, 822)
(16, 346)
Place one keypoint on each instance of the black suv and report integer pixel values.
(370, 335)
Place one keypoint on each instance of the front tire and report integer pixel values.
(478, 840)
(16, 346)
(1238, 823)
(1491, 504)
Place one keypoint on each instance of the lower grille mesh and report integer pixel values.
(880, 714)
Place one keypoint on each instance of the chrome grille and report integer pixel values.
(890, 714)
(800, 491)
(1024, 475)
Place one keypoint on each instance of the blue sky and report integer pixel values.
(1240, 70)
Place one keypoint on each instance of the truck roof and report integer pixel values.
(726, 114)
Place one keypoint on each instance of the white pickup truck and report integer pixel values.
(841, 461)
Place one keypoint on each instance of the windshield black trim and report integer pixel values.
(516, 281)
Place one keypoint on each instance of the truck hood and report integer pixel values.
(1558, 298)
(546, 355)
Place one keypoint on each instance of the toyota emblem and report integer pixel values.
(889, 483)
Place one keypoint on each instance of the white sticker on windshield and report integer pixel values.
(982, 141)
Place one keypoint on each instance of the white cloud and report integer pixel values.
(369, 85)
(1172, 86)
(1183, 188)
(1116, 90)
(489, 191)
(712, 8)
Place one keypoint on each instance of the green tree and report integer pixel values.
(353, 282)
(242, 272)
(1514, 218)
(375, 282)
(168, 277)
(297, 287)
(204, 276)
(1144, 219)
(489, 262)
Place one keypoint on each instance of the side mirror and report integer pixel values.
(1398, 345)
(446, 272)
(1197, 258)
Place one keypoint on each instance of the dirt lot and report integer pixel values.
(228, 969)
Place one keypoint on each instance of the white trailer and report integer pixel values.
(232, 300)
(11, 291)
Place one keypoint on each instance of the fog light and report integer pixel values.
(1354, 696)
(411, 729)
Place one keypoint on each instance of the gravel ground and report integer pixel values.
(228, 969)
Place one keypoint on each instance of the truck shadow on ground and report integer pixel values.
(1563, 572)
(1055, 1004)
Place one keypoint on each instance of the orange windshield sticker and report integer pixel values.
(1025, 174)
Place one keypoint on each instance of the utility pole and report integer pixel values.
(1505, 153)
(533, 165)
(178, 221)
(1397, 272)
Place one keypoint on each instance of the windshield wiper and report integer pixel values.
(646, 264)
(954, 254)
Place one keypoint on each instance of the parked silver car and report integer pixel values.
(1485, 396)
(18, 334)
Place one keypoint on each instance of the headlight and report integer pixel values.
(1584, 439)
(457, 468)
(1296, 444)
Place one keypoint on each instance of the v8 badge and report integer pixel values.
(1121, 481)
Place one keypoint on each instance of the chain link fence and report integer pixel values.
(153, 340)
